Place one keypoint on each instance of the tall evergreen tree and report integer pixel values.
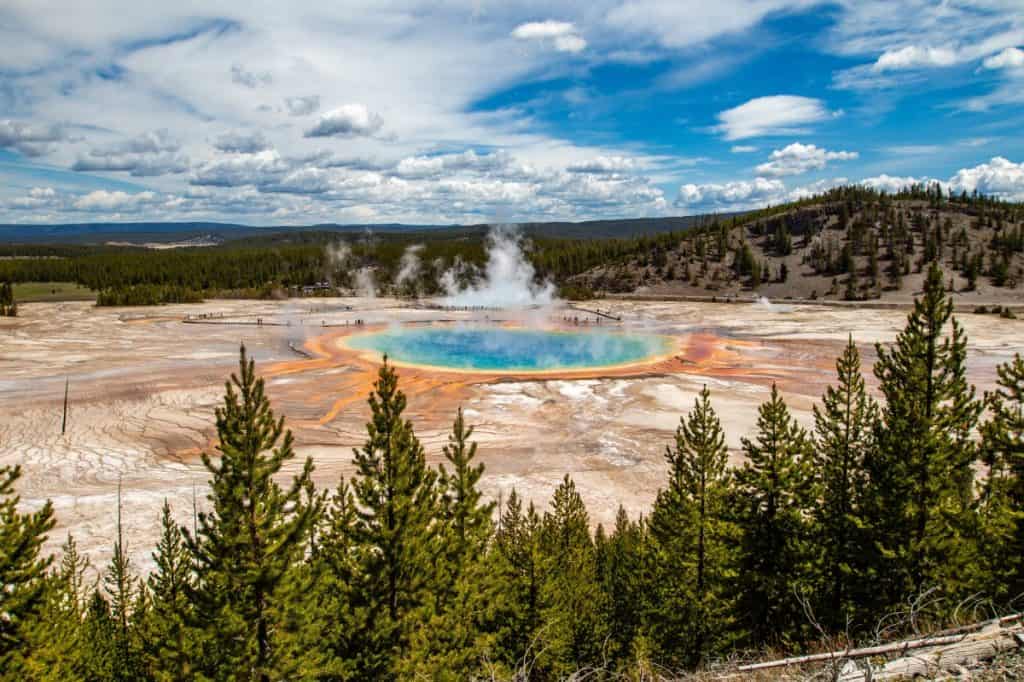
(336, 565)
(394, 529)
(518, 539)
(573, 630)
(55, 636)
(122, 594)
(465, 518)
(253, 534)
(693, 540)
(921, 472)
(775, 491)
(843, 440)
(622, 565)
(471, 596)
(22, 570)
(1002, 498)
(170, 647)
(97, 655)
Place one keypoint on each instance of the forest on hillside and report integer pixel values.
(851, 242)
(887, 518)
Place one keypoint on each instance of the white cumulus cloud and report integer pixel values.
(247, 169)
(104, 200)
(28, 138)
(348, 120)
(147, 154)
(999, 177)
(915, 57)
(562, 35)
(797, 158)
(737, 194)
(242, 143)
(892, 183)
(772, 115)
(604, 164)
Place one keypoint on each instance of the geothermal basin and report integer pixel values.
(598, 402)
(510, 349)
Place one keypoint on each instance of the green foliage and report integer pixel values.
(693, 541)
(147, 294)
(465, 518)
(1002, 492)
(469, 607)
(395, 539)
(8, 306)
(623, 572)
(921, 472)
(55, 640)
(253, 535)
(572, 631)
(170, 645)
(22, 569)
(518, 540)
(124, 604)
(775, 492)
(843, 440)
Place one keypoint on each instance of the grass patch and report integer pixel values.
(33, 292)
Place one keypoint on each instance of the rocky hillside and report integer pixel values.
(849, 244)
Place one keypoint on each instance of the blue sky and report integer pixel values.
(460, 112)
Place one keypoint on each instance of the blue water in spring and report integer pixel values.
(495, 348)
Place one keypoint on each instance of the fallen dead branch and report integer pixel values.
(940, 651)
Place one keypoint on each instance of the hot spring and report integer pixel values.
(511, 349)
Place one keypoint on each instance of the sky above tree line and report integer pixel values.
(373, 111)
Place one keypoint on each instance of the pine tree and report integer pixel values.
(692, 541)
(518, 539)
(1002, 497)
(170, 644)
(255, 531)
(121, 594)
(22, 570)
(97, 653)
(622, 572)
(465, 519)
(573, 630)
(775, 490)
(55, 635)
(843, 440)
(921, 475)
(471, 601)
(336, 566)
(394, 530)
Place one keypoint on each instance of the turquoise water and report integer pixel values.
(495, 348)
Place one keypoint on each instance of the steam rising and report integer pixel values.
(508, 280)
(338, 254)
(410, 266)
(366, 283)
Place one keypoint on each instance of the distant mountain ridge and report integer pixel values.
(145, 232)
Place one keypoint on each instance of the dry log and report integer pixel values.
(933, 661)
(951, 636)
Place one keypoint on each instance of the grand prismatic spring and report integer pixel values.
(511, 350)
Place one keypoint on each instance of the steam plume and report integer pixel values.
(410, 266)
(508, 279)
(366, 284)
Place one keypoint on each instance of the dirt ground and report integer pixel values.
(143, 385)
